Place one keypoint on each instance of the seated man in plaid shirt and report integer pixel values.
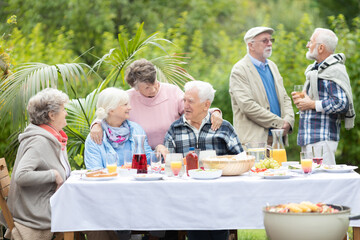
(193, 129)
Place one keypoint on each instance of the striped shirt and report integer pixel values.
(324, 125)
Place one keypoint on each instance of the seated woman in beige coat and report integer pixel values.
(41, 166)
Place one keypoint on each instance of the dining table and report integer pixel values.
(183, 203)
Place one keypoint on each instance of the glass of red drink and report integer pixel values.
(317, 152)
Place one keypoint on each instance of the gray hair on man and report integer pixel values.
(326, 37)
(205, 90)
(46, 101)
(109, 99)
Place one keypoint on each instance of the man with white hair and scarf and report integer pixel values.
(258, 97)
(328, 96)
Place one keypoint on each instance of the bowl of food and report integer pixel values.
(231, 165)
(306, 221)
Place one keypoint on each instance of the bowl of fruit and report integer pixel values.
(230, 165)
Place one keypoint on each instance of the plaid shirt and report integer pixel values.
(180, 137)
(324, 126)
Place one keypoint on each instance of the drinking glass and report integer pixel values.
(256, 149)
(155, 159)
(128, 159)
(111, 161)
(299, 91)
(317, 154)
(205, 154)
(306, 162)
(174, 165)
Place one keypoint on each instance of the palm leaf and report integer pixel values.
(30, 78)
(169, 69)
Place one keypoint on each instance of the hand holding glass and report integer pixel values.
(306, 162)
(298, 89)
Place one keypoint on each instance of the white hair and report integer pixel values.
(205, 90)
(326, 37)
(109, 99)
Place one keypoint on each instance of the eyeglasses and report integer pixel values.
(265, 40)
(310, 42)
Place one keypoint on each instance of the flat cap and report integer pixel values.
(253, 32)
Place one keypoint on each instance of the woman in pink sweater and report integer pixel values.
(155, 105)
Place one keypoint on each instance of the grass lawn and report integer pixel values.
(260, 234)
(252, 234)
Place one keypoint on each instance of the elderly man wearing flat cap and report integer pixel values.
(258, 97)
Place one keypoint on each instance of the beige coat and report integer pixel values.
(33, 178)
(251, 110)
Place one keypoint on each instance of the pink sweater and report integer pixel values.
(155, 115)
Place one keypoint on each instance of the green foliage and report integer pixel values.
(208, 34)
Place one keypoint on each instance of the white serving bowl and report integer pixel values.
(205, 174)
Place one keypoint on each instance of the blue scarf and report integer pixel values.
(116, 135)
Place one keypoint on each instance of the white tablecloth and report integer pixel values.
(224, 203)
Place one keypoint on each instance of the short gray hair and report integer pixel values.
(326, 37)
(109, 99)
(44, 102)
(206, 90)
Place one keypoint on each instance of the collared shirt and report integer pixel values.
(180, 137)
(197, 131)
(269, 85)
(323, 124)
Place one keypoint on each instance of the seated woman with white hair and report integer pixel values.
(113, 109)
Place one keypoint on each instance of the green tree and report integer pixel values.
(30, 78)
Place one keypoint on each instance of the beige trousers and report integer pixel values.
(21, 232)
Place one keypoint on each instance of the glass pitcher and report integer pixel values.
(278, 148)
(139, 161)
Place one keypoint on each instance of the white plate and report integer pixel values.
(339, 168)
(205, 174)
(84, 177)
(288, 175)
(148, 177)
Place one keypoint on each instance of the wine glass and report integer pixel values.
(298, 89)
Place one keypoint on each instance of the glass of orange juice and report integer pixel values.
(111, 162)
(176, 165)
(306, 162)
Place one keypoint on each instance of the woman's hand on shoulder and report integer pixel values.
(216, 120)
(96, 133)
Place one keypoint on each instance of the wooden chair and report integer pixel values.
(4, 191)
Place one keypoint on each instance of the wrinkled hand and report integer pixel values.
(303, 104)
(216, 120)
(286, 128)
(162, 150)
(96, 133)
(58, 180)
